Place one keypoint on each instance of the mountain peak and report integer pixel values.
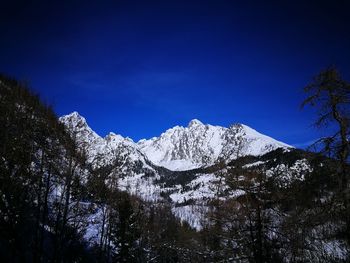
(74, 116)
(194, 122)
(78, 126)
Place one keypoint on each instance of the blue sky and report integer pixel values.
(140, 67)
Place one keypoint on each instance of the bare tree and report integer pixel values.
(330, 94)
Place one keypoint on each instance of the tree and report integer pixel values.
(330, 94)
(35, 153)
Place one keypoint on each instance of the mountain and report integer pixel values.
(201, 145)
(177, 149)
(190, 167)
(183, 166)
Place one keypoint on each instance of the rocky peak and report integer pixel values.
(74, 119)
(194, 123)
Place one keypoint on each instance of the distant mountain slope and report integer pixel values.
(179, 148)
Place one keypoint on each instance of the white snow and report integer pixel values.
(179, 165)
(253, 164)
(285, 175)
(141, 186)
(191, 214)
(94, 227)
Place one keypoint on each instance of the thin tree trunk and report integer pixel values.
(44, 214)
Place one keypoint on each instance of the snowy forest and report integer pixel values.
(59, 204)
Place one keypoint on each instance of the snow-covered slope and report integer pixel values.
(198, 145)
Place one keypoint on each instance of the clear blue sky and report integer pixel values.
(140, 67)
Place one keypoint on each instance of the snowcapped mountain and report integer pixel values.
(198, 145)
(177, 149)
(181, 165)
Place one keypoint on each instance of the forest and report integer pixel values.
(50, 195)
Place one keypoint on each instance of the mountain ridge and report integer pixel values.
(179, 148)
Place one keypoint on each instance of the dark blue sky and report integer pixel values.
(140, 67)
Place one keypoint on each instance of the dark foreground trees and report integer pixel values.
(278, 220)
(49, 195)
(39, 165)
(288, 220)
